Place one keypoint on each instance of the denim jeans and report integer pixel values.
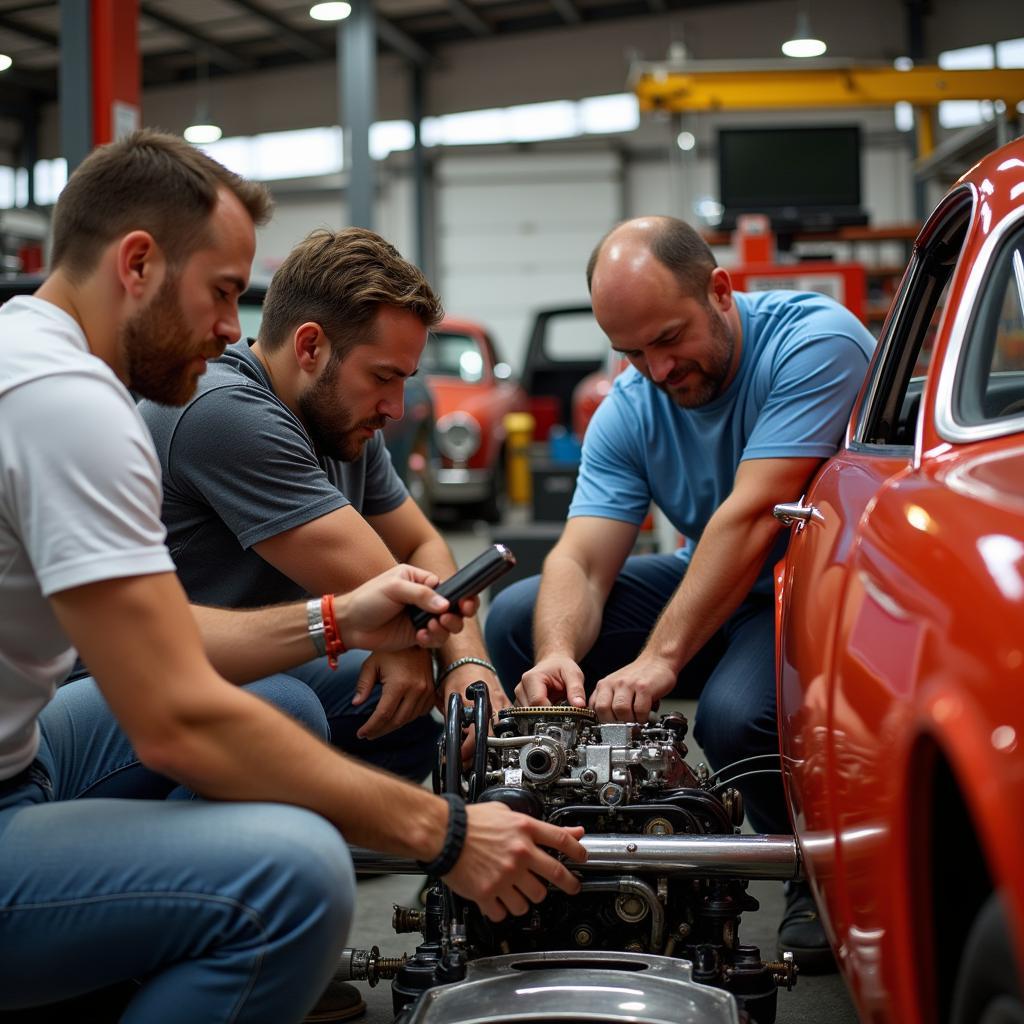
(733, 674)
(409, 751)
(223, 911)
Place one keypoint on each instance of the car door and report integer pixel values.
(829, 752)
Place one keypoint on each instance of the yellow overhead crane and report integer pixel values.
(702, 86)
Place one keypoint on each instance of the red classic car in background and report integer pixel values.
(593, 390)
(473, 391)
(901, 634)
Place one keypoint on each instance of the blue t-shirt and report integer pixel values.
(802, 363)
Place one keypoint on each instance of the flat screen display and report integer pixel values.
(790, 170)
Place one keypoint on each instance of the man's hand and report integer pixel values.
(502, 867)
(554, 678)
(629, 694)
(407, 680)
(374, 616)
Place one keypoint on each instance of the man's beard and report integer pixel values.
(710, 383)
(157, 348)
(332, 429)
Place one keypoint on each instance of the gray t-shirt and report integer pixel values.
(239, 468)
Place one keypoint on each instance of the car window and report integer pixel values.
(991, 379)
(894, 394)
(574, 335)
(449, 354)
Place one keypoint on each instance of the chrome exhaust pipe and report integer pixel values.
(742, 856)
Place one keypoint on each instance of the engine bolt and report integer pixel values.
(407, 919)
(583, 936)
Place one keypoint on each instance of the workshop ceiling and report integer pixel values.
(179, 39)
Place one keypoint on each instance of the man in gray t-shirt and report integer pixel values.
(239, 468)
(277, 482)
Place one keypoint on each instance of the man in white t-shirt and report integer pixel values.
(232, 909)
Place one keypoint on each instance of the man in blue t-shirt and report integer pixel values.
(730, 404)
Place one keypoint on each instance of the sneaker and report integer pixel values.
(801, 932)
(340, 1001)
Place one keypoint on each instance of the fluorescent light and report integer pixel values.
(803, 43)
(330, 11)
(202, 133)
(5, 62)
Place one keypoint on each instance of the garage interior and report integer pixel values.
(494, 142)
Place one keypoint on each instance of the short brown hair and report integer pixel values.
(339, 279)
(148, 181)
(676, 246)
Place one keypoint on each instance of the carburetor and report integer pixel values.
(564, 754)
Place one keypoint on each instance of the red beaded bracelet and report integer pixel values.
(332, 635)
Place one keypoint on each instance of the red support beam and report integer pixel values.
(116, 99)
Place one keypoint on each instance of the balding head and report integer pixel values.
(629, 249)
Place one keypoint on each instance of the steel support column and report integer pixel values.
(75, 81)
(357, 81)
(421, 190)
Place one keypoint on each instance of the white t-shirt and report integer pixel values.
(79, 502)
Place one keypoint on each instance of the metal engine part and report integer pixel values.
(667, 872)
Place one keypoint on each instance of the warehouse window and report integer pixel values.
(313, 152)
(1008, 53)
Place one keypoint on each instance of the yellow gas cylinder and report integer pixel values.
(518, 437)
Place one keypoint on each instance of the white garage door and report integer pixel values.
(514, 233)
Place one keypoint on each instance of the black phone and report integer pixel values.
(469, 580)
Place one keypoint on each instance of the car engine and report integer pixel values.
(629, 782)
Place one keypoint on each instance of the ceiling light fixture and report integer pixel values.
(201, 134)
(202, 130)
(330, 11)
(803, 43)
(5, 62)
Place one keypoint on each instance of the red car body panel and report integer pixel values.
(901, 642)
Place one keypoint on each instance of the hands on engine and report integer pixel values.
(630, 693)
(627, 695)
(503, 867)
(552, 680)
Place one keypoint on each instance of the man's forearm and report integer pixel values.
(251, 751)
(567, 618)
(244, 645)
(724, 567)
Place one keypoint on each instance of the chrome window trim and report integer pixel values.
(946, 424)
(948, 206)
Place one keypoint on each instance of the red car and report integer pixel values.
(473, 391)
(901, 634)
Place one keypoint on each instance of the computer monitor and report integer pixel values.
(804, 179)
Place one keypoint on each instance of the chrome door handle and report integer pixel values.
(791, 512)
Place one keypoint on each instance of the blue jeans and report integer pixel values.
(409, 751)
(224, 911)
(733, 674)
